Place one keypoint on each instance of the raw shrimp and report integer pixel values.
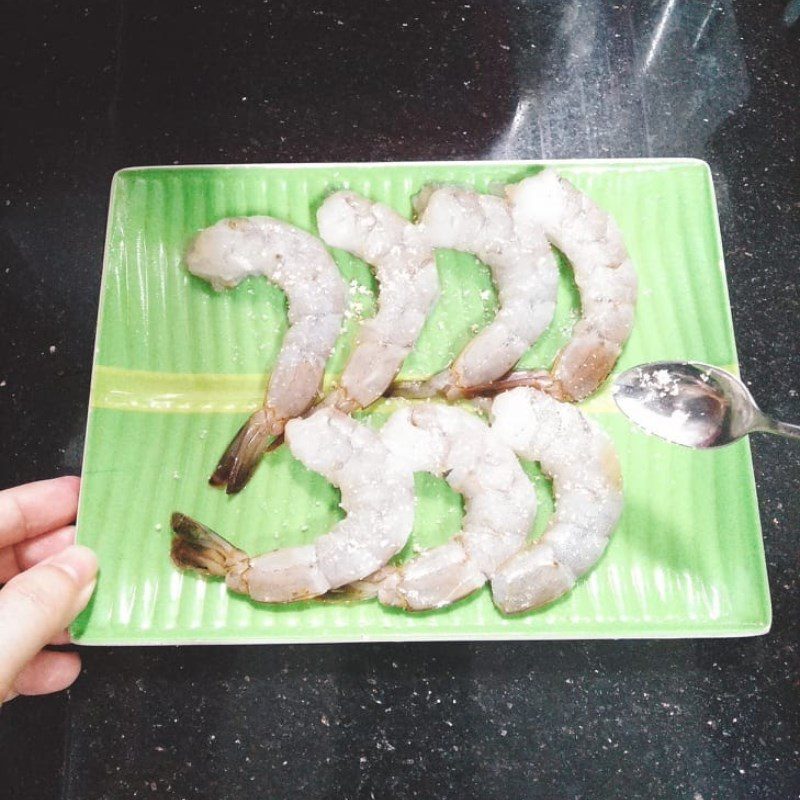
(525, 274)
(377, 494)
(587, 486)
(234, 249)
(605, 276)
(499, 504)
(405, 268)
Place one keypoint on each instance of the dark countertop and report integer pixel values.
(95, 86)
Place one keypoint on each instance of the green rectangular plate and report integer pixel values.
(178, 367)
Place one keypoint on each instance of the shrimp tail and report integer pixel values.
(196, 547)
(537, 379)
(452, 390)
(275, 443)
(243, 454)
(223, 469)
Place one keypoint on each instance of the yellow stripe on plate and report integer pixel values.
(177, 392)
(220, 393)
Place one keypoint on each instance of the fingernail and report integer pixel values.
(80, 563)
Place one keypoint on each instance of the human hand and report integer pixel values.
(48, 582)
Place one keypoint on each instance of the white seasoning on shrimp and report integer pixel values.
(587, 484)
(499, 505)
(230, 251)
(405, 269)
(377, 493)
(604, 273)
(524, 271)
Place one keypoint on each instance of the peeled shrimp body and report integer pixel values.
(377, 494)
(405, 268)
(592, 242)
(587, 486)
(499, 504)
(234, 249)
(524, 271)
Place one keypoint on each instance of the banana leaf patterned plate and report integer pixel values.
(178, 367)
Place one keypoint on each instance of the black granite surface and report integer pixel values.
(89, 87)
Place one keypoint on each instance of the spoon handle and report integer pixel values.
(787, 429)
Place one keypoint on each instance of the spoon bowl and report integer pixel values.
(692, 404)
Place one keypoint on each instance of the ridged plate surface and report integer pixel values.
(178, 367)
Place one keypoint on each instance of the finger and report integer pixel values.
(38, 604)
(23, 555)
(58, 639)
(35, 508)
(49, 671)
(32, 551)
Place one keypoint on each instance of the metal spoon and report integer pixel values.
(692, 404)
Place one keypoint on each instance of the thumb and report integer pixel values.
(37, 604)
